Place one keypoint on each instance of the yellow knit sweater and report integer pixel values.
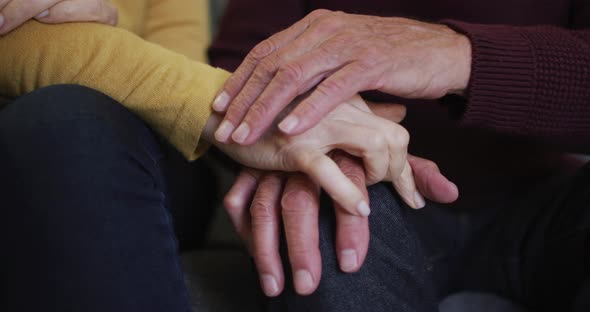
(153, 63)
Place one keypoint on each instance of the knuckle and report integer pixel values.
(331, 86)
(233, 83)
(261, 213)
(263, 49)
(356, 178)
(317, 13)
(294, 201)
(230, 205)
(300, 251)
(267, 67)
(353, 227)
(333, 21)
(377, 141)
(403, 136)
(263, 254)
(400, 137)
(258, 111)
(238, 109)
(290, 73)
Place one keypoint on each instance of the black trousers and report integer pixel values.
(95, 208)
(534, 249)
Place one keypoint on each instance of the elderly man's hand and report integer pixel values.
(342, 54)
(293, 201)
(14, 13)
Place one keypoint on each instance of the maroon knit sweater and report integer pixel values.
(528, 100)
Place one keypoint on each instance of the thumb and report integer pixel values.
(430, 181)
(389, 111)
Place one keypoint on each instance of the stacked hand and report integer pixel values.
(352, 127)
(14, 13)
(339, 55)
(259, 203)
(332, 56)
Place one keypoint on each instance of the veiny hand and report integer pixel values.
(351, 127)
(298, 206)
(342, 54)
(14, 13)
(295, 205)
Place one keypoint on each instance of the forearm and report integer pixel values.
(529, 81)
(170, 92)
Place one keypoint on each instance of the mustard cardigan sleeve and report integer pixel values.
(179, 25)
(170, 92)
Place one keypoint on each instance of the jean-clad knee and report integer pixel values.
(85, 224)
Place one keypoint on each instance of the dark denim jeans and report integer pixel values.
(88, 195)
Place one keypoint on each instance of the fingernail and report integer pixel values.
(269, 284)
(221, 101)
(419, 200)
(348, 260)
(43, 14)
(241, 133)
(288, 124)
(303, 281)
(1, 20)
(224, 131)
(363, 209)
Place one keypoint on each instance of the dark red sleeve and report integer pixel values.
(246, 23)
(529, 81)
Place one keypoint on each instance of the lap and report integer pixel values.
(534, 249)
(86, 199)
(72, 132)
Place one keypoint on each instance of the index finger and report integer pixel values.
(334, 90)
(327, 174)
(238, 80)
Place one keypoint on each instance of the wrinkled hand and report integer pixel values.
(351, 127)
(340, 55)
(14, 13)
(294, 199)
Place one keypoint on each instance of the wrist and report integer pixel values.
(462, 56)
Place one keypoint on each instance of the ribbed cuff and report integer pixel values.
(502, 81)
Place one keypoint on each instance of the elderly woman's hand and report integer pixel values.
(339, 55)
(14, 13)
(351, 127)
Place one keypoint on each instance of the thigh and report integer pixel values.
(536, 249)
(393, 277)
(86, 224)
